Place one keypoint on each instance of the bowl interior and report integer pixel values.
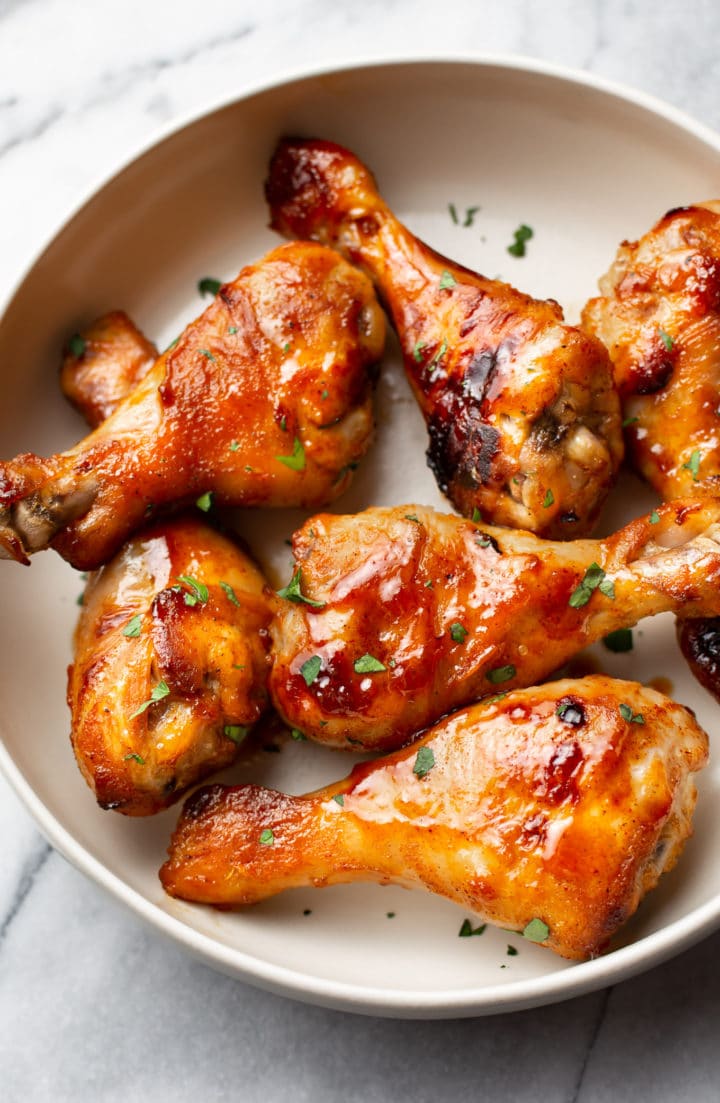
(584, 168)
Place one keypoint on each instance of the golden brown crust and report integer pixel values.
(562, 804)
(184, 609)
(522, 413)
(264, 400)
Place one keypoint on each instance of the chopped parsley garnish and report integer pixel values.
(310, 669)
(693, 464)
(417, 352)
(324, 395)
(293, 592)
(437, 357)
(453, 213)
(521, 235)
(339, 798)
(298, 736)
(632, 717)
(266, 837)
(161, 690)
(134, 755)
(208, 286)
(204, 502)
(476, 515)
(286, 347)
(501, 674)
(458, 632)
(283, 423)
(199, 591)
(536, 931)
(494, 700)
(207, 354)
(593, 579)
(549, 499)
(77, 345)
(447, 280)
(654, 517)
(629, 421)
(172, 345)
(424, 762)
(230, 593)
(619, 641)
(80, 599)
(512, 952)
(666, 339)
(234, 445)
(236, 732)
(470, 213)
(232, 329)
(390, 915)
(132, 628)
(467, 930)
(368, 664)
(413, 517)
(296, 460)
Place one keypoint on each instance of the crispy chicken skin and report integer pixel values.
(112, 357)
(264, 400)
(522, 415)
(454, 611)
(659, 316)
(563, 803)
(182, 608)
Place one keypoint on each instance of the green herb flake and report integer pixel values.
(458, 632)
(234, 445)
(501, 674)
(161, 690)
(172, 345)
(549, 499)
(339, 798)
(232, 329)
(447, 280)
(266, 837)
(693, 464)
(286, 347)
(666, 339)
(521, 235)
(593, 579)
(629, 421)
(417, 352)
(413, 517)
(467, 930)
(204, 502)
(453, 213)
(424, 762)
(310, 669)
(632, 717)
(77, 345)
(132, 628)
(236, 732)
(536, 931)
(512, 951)
(390, 915)
(135, 756)
(494, 700)
(209, 286)
(293, 592)
(307, 911)
(654, 517)
(80, 599)
(229, 593)
(470, 213)
(283, 423)
(324, 395)
(296, 460)
(437, 357)
(476, 515)
(368, 664)
(298, 736)
(207, 354)
(607, 587)
(619, 641)
(429, 584)
(198, 590)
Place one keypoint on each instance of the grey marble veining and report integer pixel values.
(92, 1004)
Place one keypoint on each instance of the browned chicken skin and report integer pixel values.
(558, 807)
(179, 618)
(264, 400)
(659, 316)
(416, 613)
(523, 417)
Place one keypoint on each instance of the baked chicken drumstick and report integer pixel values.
(659, 316)
(521, 410)
(550, 812)
(399, 615)
(264, 400)
(171, 665)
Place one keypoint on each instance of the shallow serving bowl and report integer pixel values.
(585, 165)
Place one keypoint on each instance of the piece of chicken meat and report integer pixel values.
(551, 812)
(396, 616)
(522, 413)
(264, 400)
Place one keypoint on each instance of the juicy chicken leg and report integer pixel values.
(659, 316)
(171, 665)
(264, 400)
(557, 808)
(416, 613)
(523, 417)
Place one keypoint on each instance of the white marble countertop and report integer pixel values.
(93, 1005)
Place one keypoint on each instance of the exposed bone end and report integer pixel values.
(11, 546)
(30, 524)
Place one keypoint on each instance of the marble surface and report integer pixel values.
(92, 1004)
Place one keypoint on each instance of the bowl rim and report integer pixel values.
(434, 1003)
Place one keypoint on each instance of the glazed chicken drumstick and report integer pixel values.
(397, 616)
(522, 414)
(264, 400)
(550, 812)
(659, 316)
(171, 665)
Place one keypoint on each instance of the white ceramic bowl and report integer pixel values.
(585, 164)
